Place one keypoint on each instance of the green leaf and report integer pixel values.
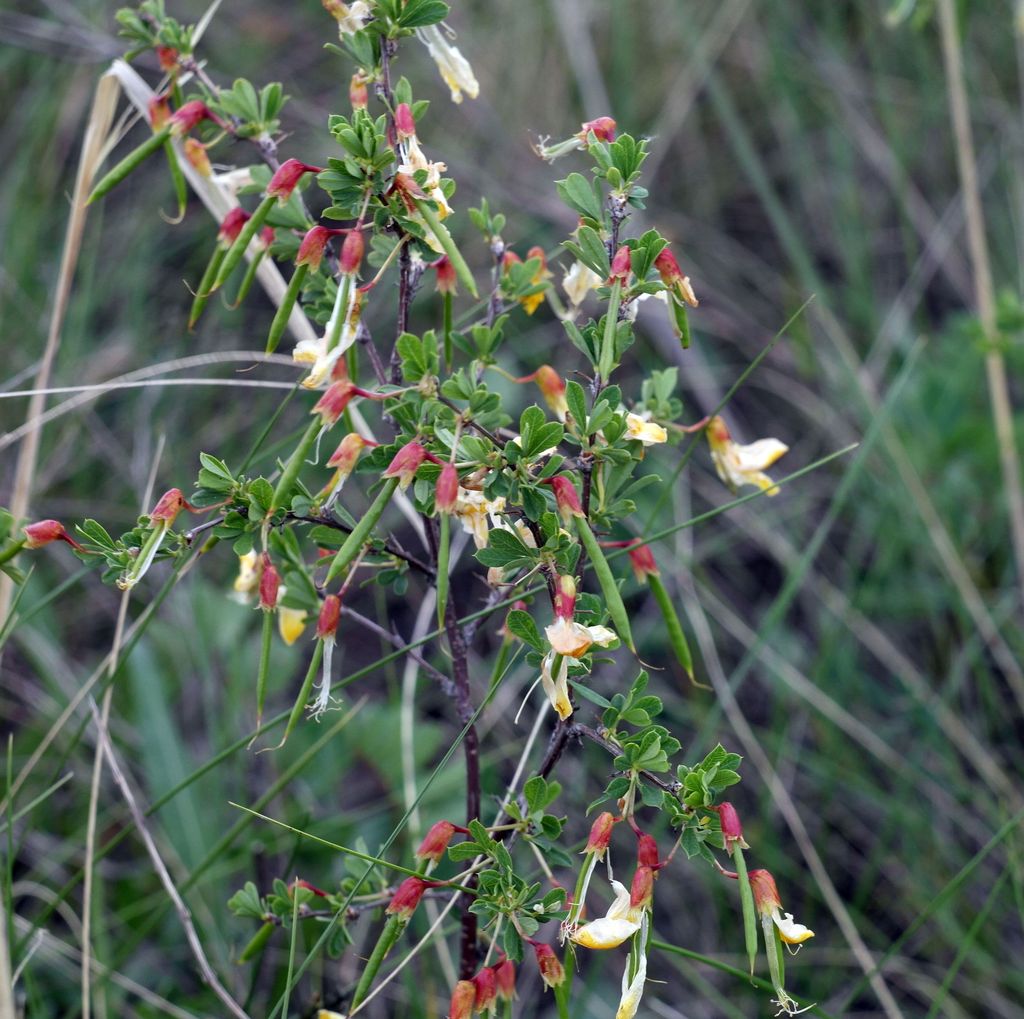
(247, 902)
(577, 401)
(577, 192)
(418, 13)
(593, 252)
(522, 625)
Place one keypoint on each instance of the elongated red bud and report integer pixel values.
(435, 842)
(766, 892)
(486, 990)
(404, 902)
(42, 532)
(565, 597)
(647, 852)
(311, 250)
(195, 153)
(674, 278)
(287, 177)
(330, 613)
(405, 123)
(332, 404)
(550, 966)
(552, 388)
(168, 506)
(351, 254)
(642, 889)
(406, 463)
(357, 93)
(168, 57)
(463, 1000)
(620, 265)
(600, 834)
(505, 979)
(446, 492)
(447, 280)
(188, 116)
(159, 112)
(642, 560)
(270, 584)
(566, 498)
(732, 830)
(510, 258)
(231, 226)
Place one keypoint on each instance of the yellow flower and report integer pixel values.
(351, 18)
(248, 578)
(578, 282)
(632, 990)
(478, 514)
(790, 931)
(290, 622)
(650, 433)
(622, 921)
(315, 352)
(454, 67)
(416, 160)
(743, 465)
(556, 688)
(574, 640)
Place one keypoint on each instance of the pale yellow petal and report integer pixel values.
(604, 933)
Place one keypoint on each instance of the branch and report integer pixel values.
(139, 819)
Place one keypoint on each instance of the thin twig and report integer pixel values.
(139, 819)
(984, 291)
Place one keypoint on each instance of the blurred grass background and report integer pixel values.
(799, 149)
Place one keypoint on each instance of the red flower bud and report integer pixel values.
(674, 278)
(732, 830)
(332, 404)
(42, 532)
(351, 254)
(446, 278)
(463, 1000)
(642, 888)
(266, 236)
(186, 118)
(168, 57)
(168, 506)
(435, 842)
(406, 463)
(643, 562)
(345, 457)
(407, 190)
(600, 834)
(357, 94)
(505, 979)
(270, 584)
(404, 902)
(405, 123)
(551, 971)
(159, 112)
(446, 491)
(552, 388)
(509, 258)
(647, 852)
(566, 498)
(311, 250)
(620, 265)
(766, 894)
(486, 987)
(538, 252)
(330, 612)
(231, 226)
(287, 178)
(603, 128)
(195, 153)
(565, 597)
